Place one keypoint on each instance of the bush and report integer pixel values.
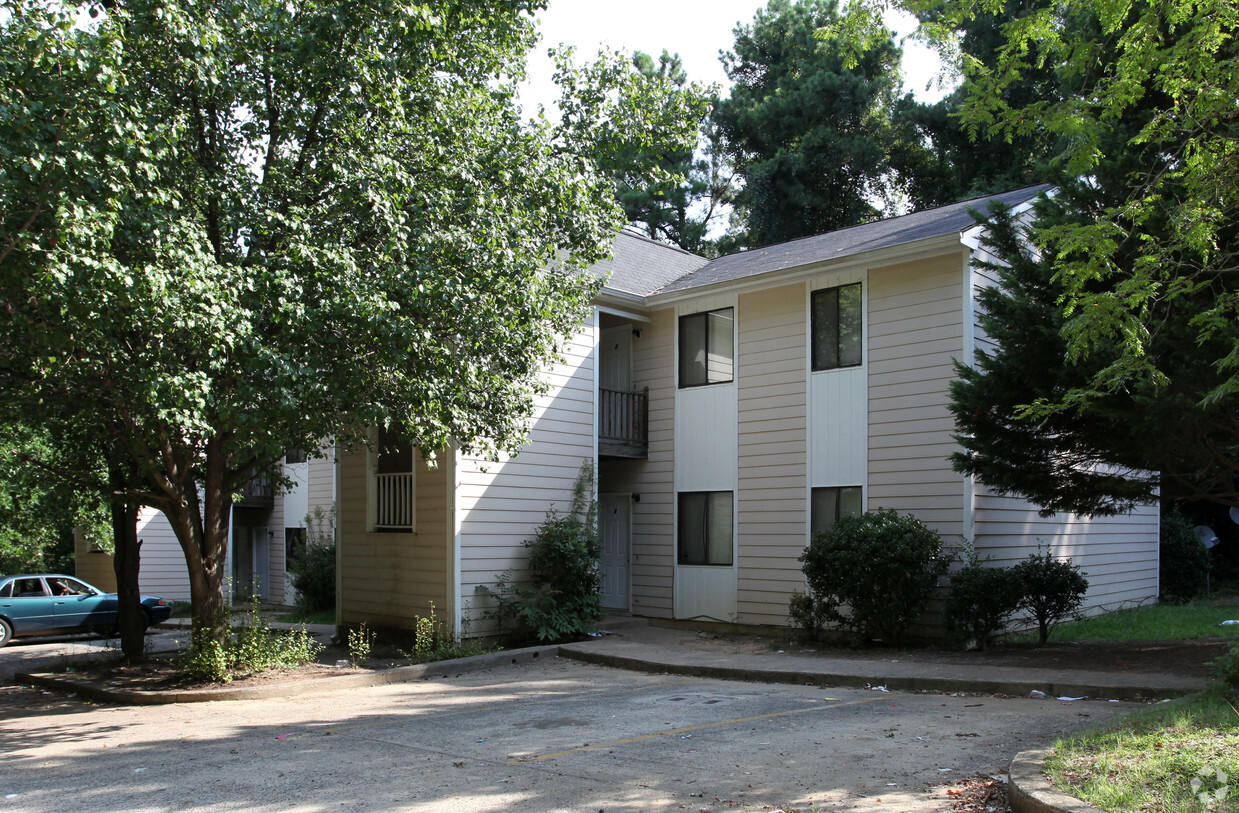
(873, 573)
(981, 600)
(313, 568)
(1052, 590)
(1227, 667)
(561, 600)
(1184, 560)
(250, 646)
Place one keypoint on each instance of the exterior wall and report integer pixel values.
(1118, 555)
(389, 579)
(500, 504)
(652, 558)
(772, 451)
(915, 313)
(92, 567)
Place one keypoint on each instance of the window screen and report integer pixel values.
(836, 327)
(704, 534)
(831, 503)
(707, 348)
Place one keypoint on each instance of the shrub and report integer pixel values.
(250, 646)
(981, 600)
(1052, 590)
(313, 568)
(873, 573)
(360, 644)
(1184, 561)
(561, 600)
(806, 617)
(1227, 667)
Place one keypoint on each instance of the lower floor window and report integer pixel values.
(831, 503)
(704, 532)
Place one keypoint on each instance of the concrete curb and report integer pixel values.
(403, 674)
(859, 678)
(1030, 792)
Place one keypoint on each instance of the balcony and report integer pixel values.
(257, 493)
(623, 423)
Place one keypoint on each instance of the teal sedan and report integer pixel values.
(54, 604)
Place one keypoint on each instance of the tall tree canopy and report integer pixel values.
(1142, 253)
(676, 203)
(807, 132)
(233, 227)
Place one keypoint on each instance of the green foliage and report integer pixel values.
(1052, 589)
(981, 600)
(1153, 622)
(1226, 668)
(665, 205)
(560, 601)
(1184, 560)
(873, 573)
(313, 568)
(808, 134)
(233, 227)
(1158, 758)
(806, 617)
(360, 644)
(249, 646)
(38, 510)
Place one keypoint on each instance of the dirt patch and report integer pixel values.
(1185, 658)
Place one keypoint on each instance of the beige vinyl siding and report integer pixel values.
(162, 570)
(275, 549)
(915, 314)
(652, 558)
(389, 579)
(500, 504)
(772, 452)
(322, 492)
(1118, 555)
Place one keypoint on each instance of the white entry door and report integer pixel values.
(615, 523)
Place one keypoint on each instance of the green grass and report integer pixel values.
(1157, 622)
(1147, 761)
(302, 617)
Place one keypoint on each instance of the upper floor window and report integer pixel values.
(836, 327)
(707, 348)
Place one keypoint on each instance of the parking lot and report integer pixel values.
(552, 735)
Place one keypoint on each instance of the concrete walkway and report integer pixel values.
(636, 644)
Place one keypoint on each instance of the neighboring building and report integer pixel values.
(731, 408)
(266, 527)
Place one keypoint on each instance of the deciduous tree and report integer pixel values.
(234, 227)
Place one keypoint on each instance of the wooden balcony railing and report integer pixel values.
(623, 423)
(257, 493)
(394, 498)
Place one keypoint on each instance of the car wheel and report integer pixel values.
(6, 632)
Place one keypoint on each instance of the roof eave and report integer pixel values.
(928, 246)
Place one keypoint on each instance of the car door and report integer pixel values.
(29, 606)
(77, 605)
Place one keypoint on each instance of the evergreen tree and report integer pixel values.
(808, 135)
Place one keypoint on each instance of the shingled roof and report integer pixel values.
(641, 265)
(944, 220)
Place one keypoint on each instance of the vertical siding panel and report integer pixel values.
(772, 420)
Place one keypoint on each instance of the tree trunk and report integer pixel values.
(125, 561)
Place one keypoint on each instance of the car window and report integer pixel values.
(6, 590)
(28, 588)
(73, 587)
